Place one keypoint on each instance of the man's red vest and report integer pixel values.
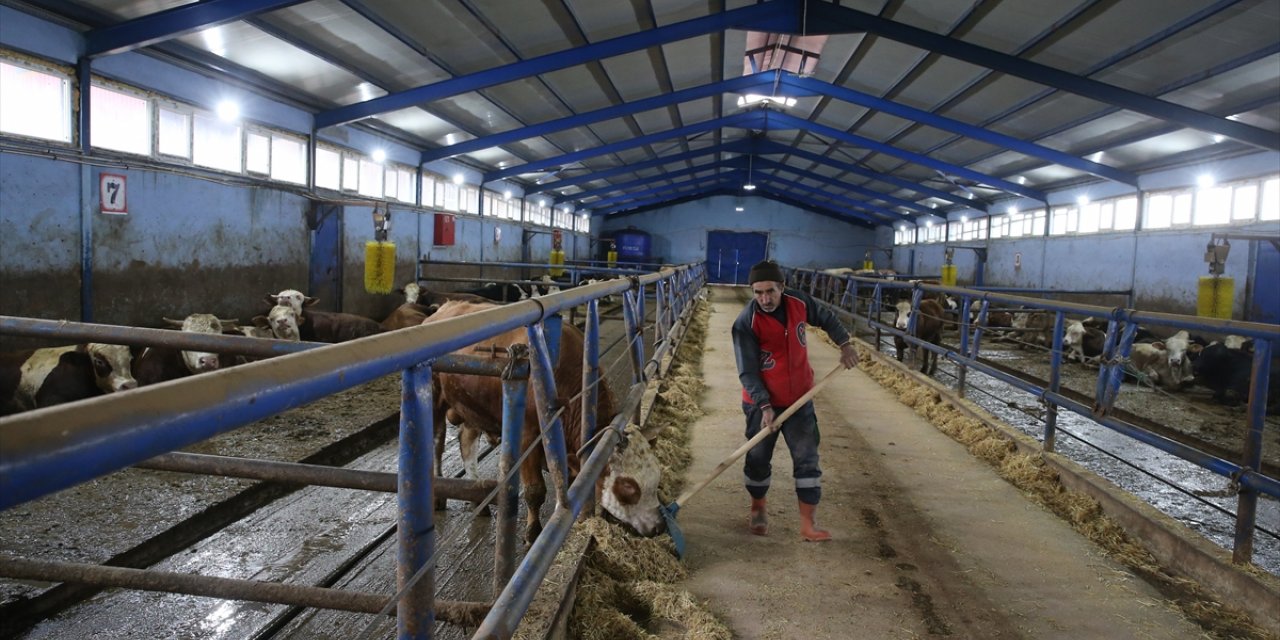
(784, 354)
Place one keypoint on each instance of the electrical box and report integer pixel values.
(444, 230)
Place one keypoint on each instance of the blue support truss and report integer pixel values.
(171, 23)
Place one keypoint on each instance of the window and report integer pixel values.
(428, 190)
(1159, 212)
(470, 199)
(35, 103)
(450, 202)
(288, 159)
(1212, 206)
(217, 144)
(1182, 209)
(1126, 214)
(328, 169)
(1270, 200)
(119, 121)
(408, 185)
(370, 178)
(1244, 202)
(350, 173)
(1089, 218)
(257, 153)
(173, 132)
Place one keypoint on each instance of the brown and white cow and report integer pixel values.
(37, 378)
(158, 364)
(316, 326)
(928, 329)
(629, 484)
(1082, 343)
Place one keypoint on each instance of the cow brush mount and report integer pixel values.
(380, 255)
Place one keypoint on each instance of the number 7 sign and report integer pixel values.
(111, 193)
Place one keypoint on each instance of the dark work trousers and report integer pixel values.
(801, 434)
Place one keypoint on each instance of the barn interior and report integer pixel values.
(162, 159)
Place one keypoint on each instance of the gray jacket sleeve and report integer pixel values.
(746, 349)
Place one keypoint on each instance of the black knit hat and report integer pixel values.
(765, 270)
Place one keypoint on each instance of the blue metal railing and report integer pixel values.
(870, 292)
(108, 433)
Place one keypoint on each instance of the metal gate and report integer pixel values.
(730, 254)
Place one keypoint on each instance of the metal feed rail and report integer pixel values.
(105, 434)
(1247, 474)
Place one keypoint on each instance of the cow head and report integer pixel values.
(291, 298)
(283, 323)
(112, 366)
(629, 485)
(411, 292)
(1073, 335)
(904, 315)
(202, 361)
(1177, 345)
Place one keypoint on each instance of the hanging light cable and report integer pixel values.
(749, 185)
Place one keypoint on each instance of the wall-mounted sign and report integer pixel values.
(497, 235)
(111, 194)
(1017, 261)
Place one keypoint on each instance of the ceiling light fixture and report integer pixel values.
(751, 163)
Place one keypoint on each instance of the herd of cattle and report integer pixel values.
(1172, 363)
(45, 377)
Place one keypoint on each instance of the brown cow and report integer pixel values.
(631, 481)
(928, 329)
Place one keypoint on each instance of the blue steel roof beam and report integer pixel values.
(172, 23)
(741, 83)
(826, 13)
(674, 186)
(790, 121)
(785, 197)
(737, 146)
(1160, 130)
(840, 184)
(745, 119)
(766, 15)
(354, 70)
(639, 182)
(771, 147)
(840, 209)
(964, 129)
(888, 216)
(659, 203)
(1186, 22)
(658, 194)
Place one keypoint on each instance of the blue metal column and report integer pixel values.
(590, 385)
(415, 613)
(514, 397)
(963, 369)
(660, 305)
(1247, 503)
(1055, 383)
(634, 331)
(542, 376)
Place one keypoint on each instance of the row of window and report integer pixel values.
(36, 103)
(1242, 202)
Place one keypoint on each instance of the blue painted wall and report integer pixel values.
(797, 238)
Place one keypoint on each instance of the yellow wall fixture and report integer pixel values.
(949, 275)
(1215, 296)
(380, 255)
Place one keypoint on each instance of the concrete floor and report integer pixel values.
(927, 539)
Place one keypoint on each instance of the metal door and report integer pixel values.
(730, 254)
(325, 280)
(1265, 306)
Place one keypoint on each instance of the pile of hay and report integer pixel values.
(1041, 484)
(626, 590)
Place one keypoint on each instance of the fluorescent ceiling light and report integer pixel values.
(752, 99)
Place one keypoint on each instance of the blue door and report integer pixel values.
(1265, 306)
(325, 280)
(730, 254)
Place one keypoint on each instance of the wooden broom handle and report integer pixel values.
(764, 433)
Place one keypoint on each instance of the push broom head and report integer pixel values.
(379, 266)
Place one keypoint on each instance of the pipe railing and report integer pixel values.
(1246, 475)
(101, 435)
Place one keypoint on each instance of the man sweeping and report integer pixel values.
(771, 345)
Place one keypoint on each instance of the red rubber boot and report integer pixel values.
(808, 529)
(758, 521)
